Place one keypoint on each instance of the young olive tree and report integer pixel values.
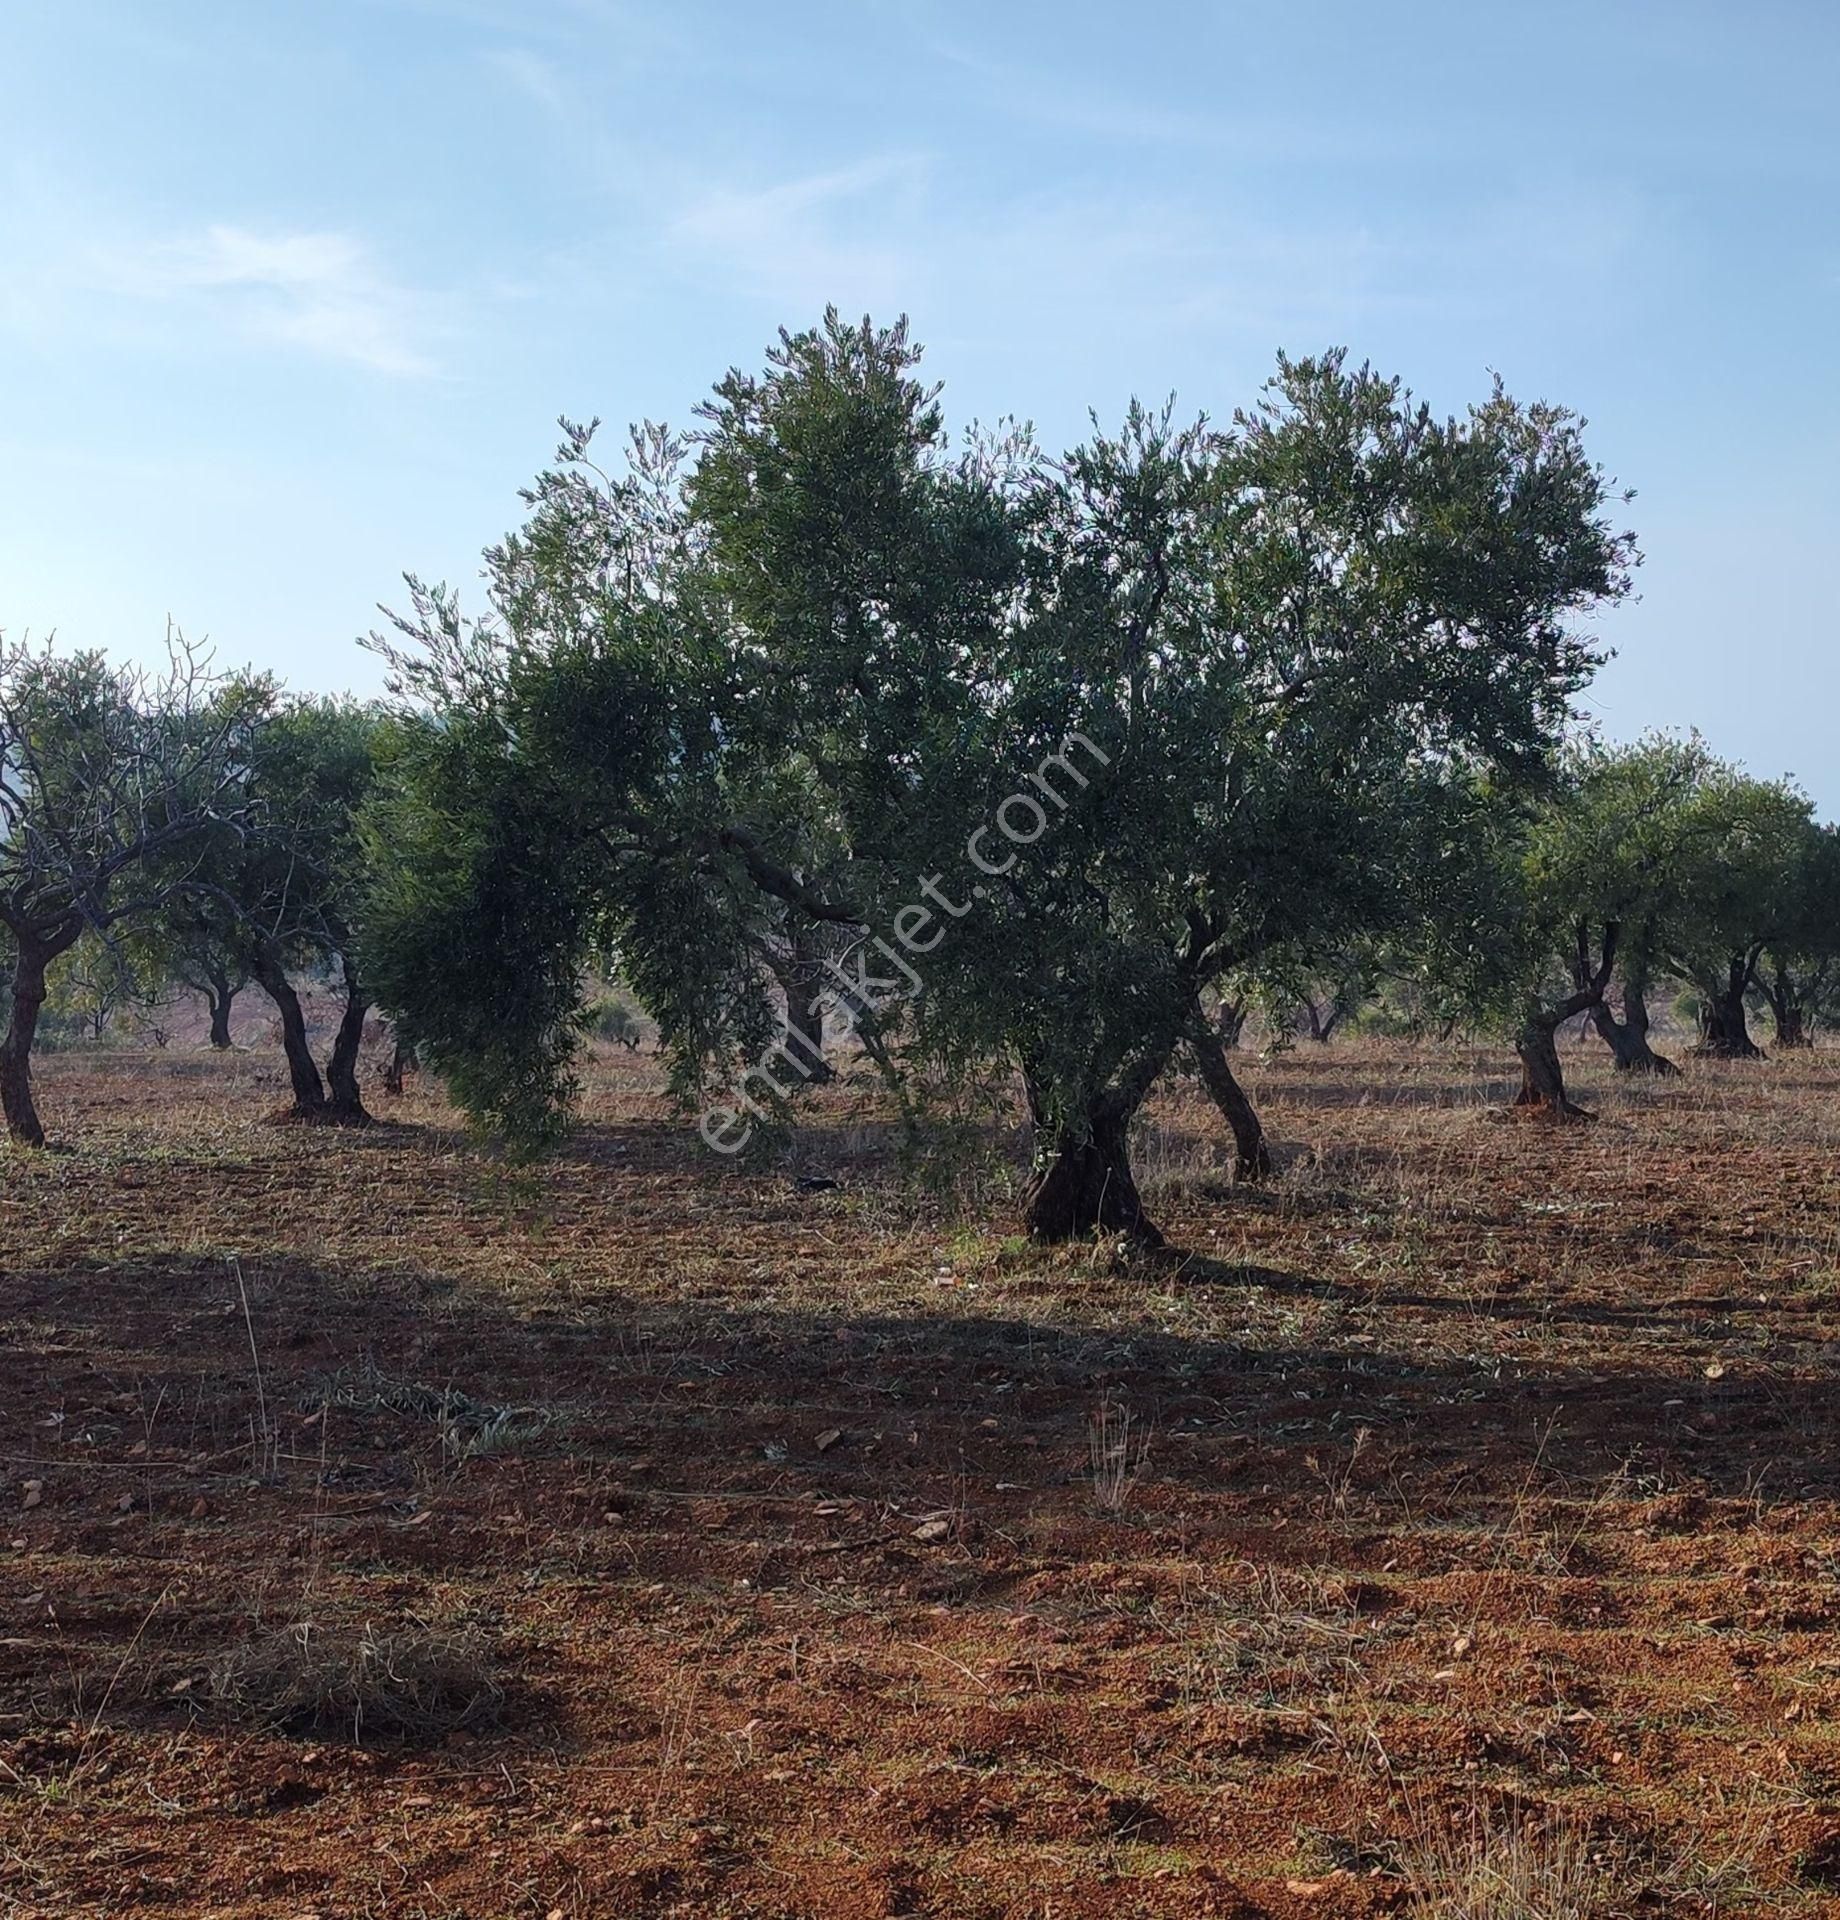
(287, 895)
(1534, 905)
(115, 784)
(1604, 868)
(1048, 749)
(1800, 974)
(1744, 841)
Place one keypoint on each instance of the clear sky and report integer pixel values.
(291, 291)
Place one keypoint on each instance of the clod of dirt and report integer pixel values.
(1821, 1862)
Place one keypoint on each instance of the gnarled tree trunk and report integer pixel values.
(303, 1071)
(1787, 1008)
(344, 1105)
(1543, 1093)
(1542, 1077)
(221, 995)
(1627, 1038)
(1251, 1155)
(800, 975)
(1082, 1181)
(1320, 1022)
(1724, 1030)
(22, 1121)
(33, 953)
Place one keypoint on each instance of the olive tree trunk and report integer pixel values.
(1251, 1155)
(1543, 1093)
(22, 1121)
(1082, 1182)
(303, 1071)
(1542, 1077)
(1724, 1028)
(799, 972)
(344, 1104)
(1788, 1009)
(221, 995)
(33, 953)
(1230, 1022)
(1627, 1038)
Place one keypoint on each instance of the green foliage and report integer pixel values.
(89, 989)
(1258, 667)
(288, 888)
(1743, 845)
(476, 923)
(112, 783)
(1630, 846)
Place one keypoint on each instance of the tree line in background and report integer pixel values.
(1017, 770)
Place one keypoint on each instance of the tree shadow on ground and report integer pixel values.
(721, 1399)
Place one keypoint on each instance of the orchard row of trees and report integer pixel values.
(1019, 768)
(186, 827)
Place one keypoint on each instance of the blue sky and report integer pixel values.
(292, 292)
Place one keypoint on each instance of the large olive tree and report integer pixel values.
(1052, 746)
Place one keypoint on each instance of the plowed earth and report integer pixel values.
(1458, 1512)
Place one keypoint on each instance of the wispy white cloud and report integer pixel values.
(836, 230)
(322, 293)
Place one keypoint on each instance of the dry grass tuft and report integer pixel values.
(415, 1684)
(1119, 1450)
(1479, 1868)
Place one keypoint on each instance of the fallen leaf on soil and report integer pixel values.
(932, 1530)
(34, 1494)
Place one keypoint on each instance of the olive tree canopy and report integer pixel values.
(1035, 750)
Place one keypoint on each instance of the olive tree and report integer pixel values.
(114, 785)
(1606, 869)
(1049, 747)
(285, 896)
(1743, 845)
(1799, 977)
